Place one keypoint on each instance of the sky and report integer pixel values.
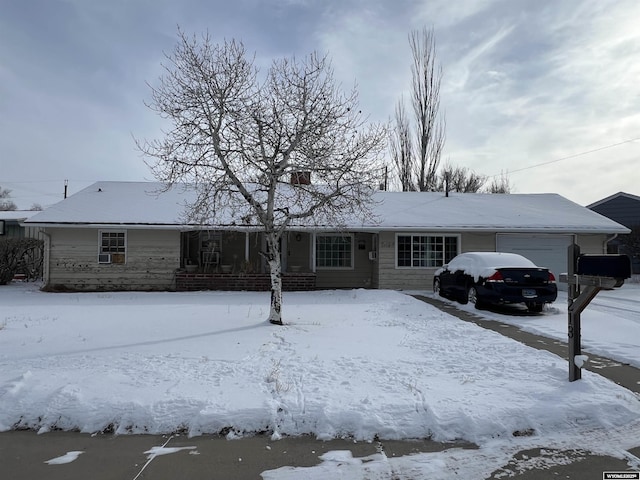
(545, 92)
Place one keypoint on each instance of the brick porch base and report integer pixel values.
(188, 282)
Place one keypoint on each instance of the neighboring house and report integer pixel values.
(121, 235)
(10, 224)
(623, 208)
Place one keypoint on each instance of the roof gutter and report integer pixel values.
(605, 246)
(327, 228)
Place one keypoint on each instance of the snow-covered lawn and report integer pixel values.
(360, 363)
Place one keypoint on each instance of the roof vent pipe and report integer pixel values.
(446, 184)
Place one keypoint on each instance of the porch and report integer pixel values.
(231, 260)
(238, 253)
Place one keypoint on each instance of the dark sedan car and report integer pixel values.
(483, 278)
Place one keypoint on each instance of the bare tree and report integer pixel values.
(631, 243)
(239, 138)
(459, 179)
(425, 97)
(401, 148)
(500, 184)
(417, 167)
(5, 202)
(20, 255)
(416, 156)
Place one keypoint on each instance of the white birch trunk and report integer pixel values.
(275, 270)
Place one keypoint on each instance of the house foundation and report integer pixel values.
(256, 282)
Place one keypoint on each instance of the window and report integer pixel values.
(334, 251)
(113, 247)
(421, 251)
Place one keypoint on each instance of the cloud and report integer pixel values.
(524, 82)
(545, 85)
(460, 71)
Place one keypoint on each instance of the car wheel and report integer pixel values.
(436, 286)
(534, 307)
(472, 297)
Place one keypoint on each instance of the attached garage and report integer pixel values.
(548, 251)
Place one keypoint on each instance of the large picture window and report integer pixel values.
(334, 251)
(113, 247)
(422, 251)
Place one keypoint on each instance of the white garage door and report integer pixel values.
(548, 251)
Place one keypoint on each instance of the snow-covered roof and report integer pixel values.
(142, 205)
(542, 212)
(118, 203)
(17, 215)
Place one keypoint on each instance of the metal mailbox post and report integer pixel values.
(594, 273)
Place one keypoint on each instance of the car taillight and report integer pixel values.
(496, 277)
(552, 278)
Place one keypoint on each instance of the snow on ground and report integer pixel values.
(361, 364)
(66, 458)
(610, 325)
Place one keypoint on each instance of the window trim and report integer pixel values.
(352, 260)
(100, 252)
(457, 236)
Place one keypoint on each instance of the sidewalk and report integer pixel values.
(23, 456)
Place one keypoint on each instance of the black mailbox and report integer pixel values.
(613, 266)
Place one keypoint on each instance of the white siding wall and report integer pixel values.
(395, 278)
(478, 242)
(152, 258)
(594, 244)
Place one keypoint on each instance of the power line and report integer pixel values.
(568, 157)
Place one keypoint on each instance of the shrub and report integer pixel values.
(20, 255)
